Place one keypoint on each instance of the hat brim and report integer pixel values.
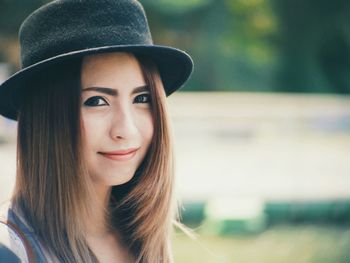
(175, 67)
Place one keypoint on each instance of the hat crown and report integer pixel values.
(64, 26)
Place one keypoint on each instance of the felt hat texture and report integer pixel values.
(64, 29)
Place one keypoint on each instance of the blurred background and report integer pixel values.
(262, 128)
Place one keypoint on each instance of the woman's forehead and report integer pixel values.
(111, 68)
(107, 59)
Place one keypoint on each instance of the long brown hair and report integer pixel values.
(52, 191)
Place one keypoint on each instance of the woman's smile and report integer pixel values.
(123, 155)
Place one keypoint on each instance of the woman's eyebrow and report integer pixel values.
(114, 92)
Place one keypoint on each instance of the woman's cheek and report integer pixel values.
(91, 128)
(146, 126)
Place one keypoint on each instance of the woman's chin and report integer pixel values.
(115, 179)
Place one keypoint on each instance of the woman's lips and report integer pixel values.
(124, 155)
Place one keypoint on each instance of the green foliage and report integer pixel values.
(262, 45)
(314, 46)
(12, 13)
(231, 42)
(175, 7)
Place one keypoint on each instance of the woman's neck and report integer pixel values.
(101, 237)
(98, 223)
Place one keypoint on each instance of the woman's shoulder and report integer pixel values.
(12, 247)
(17, 242)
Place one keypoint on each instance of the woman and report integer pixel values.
(94, 154)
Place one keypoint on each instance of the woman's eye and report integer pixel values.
(143, 98)
(95, 101)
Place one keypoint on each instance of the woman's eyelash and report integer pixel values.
(95, 101)
(100, 101)
(143, 98)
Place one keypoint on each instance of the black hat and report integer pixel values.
(64, 29)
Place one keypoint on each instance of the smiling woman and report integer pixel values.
(116, 117)
(94, 163)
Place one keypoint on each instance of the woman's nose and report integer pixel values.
(123, 124)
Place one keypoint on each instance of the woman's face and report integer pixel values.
(116, 117)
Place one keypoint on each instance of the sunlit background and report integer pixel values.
(262, 129)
